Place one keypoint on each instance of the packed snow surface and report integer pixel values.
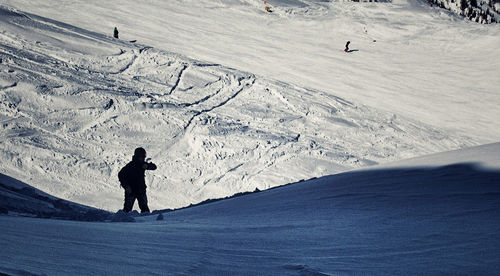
(426, 63)
(401, 219)
(226, 97)
(248, 100)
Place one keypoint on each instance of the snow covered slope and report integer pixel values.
(402, 219)
(22, 199)
(75, 104)
(426, 64)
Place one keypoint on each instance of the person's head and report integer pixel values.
(140, 154)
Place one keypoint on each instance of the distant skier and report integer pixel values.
(115, 33)
(132, 179)
(347, 47)
(267, 8)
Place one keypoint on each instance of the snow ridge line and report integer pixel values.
(9, 86)
(206, 98)
(41, 66)
(206, 65)
(181, 105)
(38, 59)
(198, 113)
(143, 49)
(126, 66)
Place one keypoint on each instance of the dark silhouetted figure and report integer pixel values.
(115, 33)
(347, 47)
(132, 179)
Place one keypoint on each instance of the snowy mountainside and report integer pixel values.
(426, 63)
(75, 103)
(20, 199)
(434, 215)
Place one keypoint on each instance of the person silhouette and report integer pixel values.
(132, 179)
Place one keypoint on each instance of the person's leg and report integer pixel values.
(143, 202)
(129, 202)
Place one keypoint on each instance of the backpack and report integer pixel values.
(123, 176)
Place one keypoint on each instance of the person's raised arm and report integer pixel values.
(151, 166)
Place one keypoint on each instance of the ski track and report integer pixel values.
(224, 102)
(126, 66)
(8, 86)
(179, 78)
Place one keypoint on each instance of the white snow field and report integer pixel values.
(407, 218)
(227, 98)
(75, 102)
(426, 64)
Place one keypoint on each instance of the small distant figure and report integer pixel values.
(115, 33)
(132, 179)
(267, 8)
(347, 47)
